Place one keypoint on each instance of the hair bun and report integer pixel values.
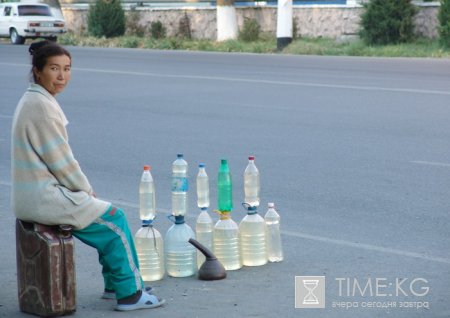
(34, 47)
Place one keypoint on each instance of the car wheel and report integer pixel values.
(16, 38)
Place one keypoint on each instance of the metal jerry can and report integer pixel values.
(45, 269)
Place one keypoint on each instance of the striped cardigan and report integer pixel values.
(48, 185)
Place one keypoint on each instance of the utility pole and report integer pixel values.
(226, 20)
(284, 23)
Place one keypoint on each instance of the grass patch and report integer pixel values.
(419, 48)
(267, 44)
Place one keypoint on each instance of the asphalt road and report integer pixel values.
(355, 153)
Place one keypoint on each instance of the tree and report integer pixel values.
(444, 23)
(106, 18)
(388, 21)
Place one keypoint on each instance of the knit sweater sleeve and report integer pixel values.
(49, 140)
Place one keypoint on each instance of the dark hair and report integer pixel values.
(41, 51)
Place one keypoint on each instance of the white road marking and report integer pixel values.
(430, 163)
(257, 81)
(363, 246)
(367, 247)
(286, 83)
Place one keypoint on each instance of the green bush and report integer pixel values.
(388, 21)
(68, 38)
(157, 30)
(250, 30)
(444, 23)
(129, 41)
(106, 18)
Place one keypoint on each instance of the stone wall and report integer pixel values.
(312, 21)
(328, 22)
(427, 21)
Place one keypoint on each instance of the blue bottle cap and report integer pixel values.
(250, 208)
(180, 155)
(179, 219)
(201, 165)
(146, 223)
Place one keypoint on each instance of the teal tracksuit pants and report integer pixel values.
(111, 236)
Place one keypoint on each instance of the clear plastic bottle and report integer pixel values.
(179, 186)
(204, 233)
(251, 183)
(150, 251)
(147, 196)
(252, 234)
(202, 187)
(224, 188)
(274, 246)
(226, 242)
(180, 255)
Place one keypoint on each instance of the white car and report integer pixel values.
(20, 21)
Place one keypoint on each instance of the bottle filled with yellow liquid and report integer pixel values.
(274, 246)
(252, 234)
(226, 242)
(204, 233)
(150, 250)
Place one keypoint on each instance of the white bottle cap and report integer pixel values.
(271, 205)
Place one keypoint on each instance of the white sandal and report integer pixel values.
(112, 295)
(146, 301)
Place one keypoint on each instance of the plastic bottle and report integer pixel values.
(180, 255)
(150, 251)
(224, 188)
(251, 183)
(274, 246)
(226, 242)
(179, 186)
(204, 233)
(202, 187)
(147, 197)
(252, 234)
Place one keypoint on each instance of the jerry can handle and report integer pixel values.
(65, 229)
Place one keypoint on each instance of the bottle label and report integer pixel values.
(179, 184)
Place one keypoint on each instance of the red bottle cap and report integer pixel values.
(146, 167)
(251, 158)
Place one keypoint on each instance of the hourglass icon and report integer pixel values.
(310, 285)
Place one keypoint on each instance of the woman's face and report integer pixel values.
(55, 75)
